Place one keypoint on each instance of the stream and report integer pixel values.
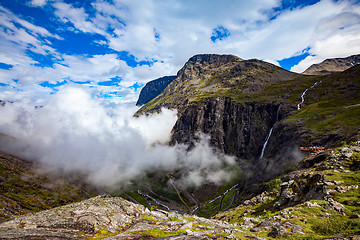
(303, 94)
(269, 135)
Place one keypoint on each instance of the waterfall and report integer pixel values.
(266, 142)
(303, 94)
(269, 135)
(302, 99)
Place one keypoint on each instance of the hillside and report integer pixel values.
(318, 199)
(333, 65)
(26, 188)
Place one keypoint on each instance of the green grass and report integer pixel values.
(337, 225)
(158, 233)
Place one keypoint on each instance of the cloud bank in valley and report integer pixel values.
(76, 132)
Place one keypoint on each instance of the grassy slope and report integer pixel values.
(24, 190)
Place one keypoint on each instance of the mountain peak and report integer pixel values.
(214, 58)
(333, 65)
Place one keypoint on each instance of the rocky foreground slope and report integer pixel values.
(319, 199)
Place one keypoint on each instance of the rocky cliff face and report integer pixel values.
(236, 128)
(243, 104)
(333, 65)
(153, 89)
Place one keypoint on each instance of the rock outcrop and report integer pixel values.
(333, 65)
(153, 89)
(107, 217)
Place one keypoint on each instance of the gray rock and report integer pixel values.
(85, 219)
(354, 216)
(346, 152)
(277, 232)
(311, 205)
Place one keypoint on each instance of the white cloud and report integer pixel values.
(75, 132)
(38, 3)
(77, 17)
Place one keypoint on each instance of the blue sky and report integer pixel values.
(113, 47)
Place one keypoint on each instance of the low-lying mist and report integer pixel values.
(75, 132)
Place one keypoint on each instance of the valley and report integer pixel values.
(253, 117)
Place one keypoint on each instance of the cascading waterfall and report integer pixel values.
(266, 142)
(269, 135)
(303, 94)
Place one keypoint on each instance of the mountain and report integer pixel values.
(333, 65)
(153, 88)
(239, 103)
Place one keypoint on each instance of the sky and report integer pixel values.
(111, 48)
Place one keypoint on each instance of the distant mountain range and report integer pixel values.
(333, 65)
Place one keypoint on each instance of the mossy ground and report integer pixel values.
(24, 190)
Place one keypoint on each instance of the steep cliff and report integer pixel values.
(333, 65)
(153, 89)
(259, 112)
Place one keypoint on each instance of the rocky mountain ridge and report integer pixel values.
(153, 89)
(333, 65)
(212, 75)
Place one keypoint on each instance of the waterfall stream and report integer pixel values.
(269, 135)
(265, 143)
(303, 94)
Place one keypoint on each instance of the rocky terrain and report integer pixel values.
(318, 199)
(153, 89)
(333, 65)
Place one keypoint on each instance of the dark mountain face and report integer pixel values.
(153, 89)
(333, 65)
